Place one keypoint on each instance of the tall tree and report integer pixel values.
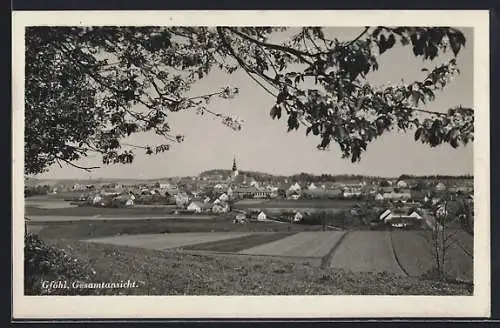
(89, 87)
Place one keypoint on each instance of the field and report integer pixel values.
(176, 273)
(338, 261)
(366, 251)
(85, 229)
(62, 218)
(92, 211)
(47, 204)
(301, 203)
(303, 244)
(405, 253)
(241, 243)
(414, 252)
(170, 240)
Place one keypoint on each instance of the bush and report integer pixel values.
(43, 262)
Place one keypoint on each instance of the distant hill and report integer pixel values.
(251, 174)
(31, 181)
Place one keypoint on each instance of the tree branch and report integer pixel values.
(88, 169)
(297, 53)
(240, 61)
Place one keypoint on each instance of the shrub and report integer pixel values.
(43, 262)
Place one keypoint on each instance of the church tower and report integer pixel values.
(235, 169)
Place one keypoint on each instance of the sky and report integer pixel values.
(265, 145)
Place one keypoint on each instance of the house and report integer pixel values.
(206, 200)
(261, 217)
(181, 199)
(294, 197)
(195, 207)
(245, 192)
(352, 192)
(402, 184)
(218, 187)
(379, 197)
(254, 183)
(224, 197)
(312, 186)
(297, 217)
(220, 208)
(96, 200)
(440, 187)
(397, 196)
(295, 187)
(78, 187)
(400, 218)
(240, 218)
(262, 193)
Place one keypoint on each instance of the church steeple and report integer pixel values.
(235, 168)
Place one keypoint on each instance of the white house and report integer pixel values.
(194, 207)
(218, 187)
(389, 216)
(379, 197)
(298, 217)
(295, 187)
(254, 183)
(440, 187)
(224, 197)
(261, 217)
(402, 184)
(206, 200)
(97, 199)
(397, 195)
(220, 208)
(312, 186)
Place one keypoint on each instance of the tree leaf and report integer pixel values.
(418, 133)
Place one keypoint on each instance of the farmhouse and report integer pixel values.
(298, 217)
(224, 197)
(261, 217)
(197, 207)
(312, 186)
(402, 184)
(220, 208)
(400, 218)
(397, 196)
(262, 193)
(96, 200)
(240, 218)
(295, 187)
(245, 192)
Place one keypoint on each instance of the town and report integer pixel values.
(404, 202)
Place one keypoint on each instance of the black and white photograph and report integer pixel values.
(219, 155)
